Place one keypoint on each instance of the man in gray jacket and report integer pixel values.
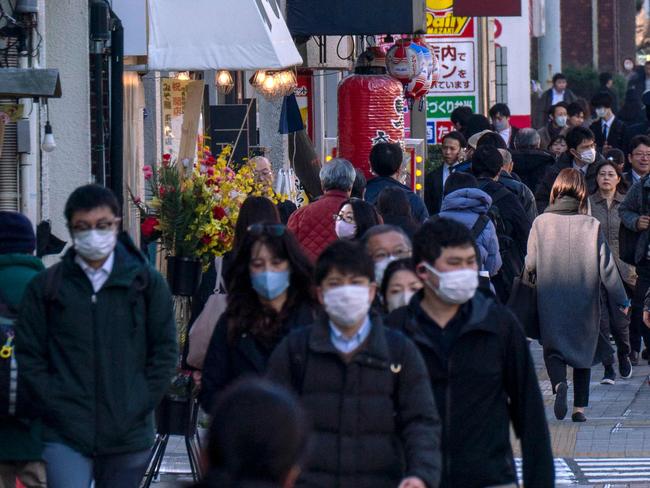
(636, 217)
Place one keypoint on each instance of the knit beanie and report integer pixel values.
(16, 234)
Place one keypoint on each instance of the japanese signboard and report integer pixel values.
(453, 41)
(174, 93)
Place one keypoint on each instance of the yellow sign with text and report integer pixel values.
(442, 22)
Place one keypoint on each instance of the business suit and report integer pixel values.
(434, 188)
(615, 134)
(511, 139)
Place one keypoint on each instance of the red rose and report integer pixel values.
(206, 240)
(148, 227)
(218, 213)
(210, 171)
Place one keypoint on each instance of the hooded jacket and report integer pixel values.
(465, 206)
(487, 383)
(16, 271)
(97, 364)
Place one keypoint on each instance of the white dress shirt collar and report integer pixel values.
(99, 276)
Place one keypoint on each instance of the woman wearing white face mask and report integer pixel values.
(354, 218)
(399, 285)
(568, 251)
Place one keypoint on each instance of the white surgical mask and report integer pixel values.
(380, 268)
(345, 230)
(455, 286)
(600, 112)
(398, 300)
(346, 305)
(500, 124)
(561, 120)
(588, 156)
(94, 244)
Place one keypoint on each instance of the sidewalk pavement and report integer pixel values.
(610, 450)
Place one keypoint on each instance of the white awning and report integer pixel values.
(219, 34)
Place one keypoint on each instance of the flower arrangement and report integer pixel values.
(194, 214)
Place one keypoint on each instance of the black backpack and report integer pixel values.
(510, 255)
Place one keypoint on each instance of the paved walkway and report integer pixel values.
(610, 450)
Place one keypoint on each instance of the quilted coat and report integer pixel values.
(313, 225)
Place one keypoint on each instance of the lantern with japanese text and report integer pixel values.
(402, 61)
(371, 110)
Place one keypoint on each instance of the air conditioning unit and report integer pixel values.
(328, 52)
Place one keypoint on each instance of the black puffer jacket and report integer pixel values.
(488, 382)
(374, 417)
(531, 165)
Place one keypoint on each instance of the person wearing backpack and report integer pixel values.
(365, 387)
(21, 447)
(482, 374)
(96, 348)
(465, 203)
(507, 214)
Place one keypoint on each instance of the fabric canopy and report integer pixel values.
(219, 34)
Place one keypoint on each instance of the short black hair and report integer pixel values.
(636, 141)
(574, 108)
(458, 181)
(457, 136)
(434, 236)
(359, 185)
(460, 115)
(347, 257)
(602, 99)
(386, 158)
(615, 156)
(487, 161)
(476, 123)
(577, 135)
(89, 197)
(259, 429)
(499, 108)
(491, 139)
(404, 264)
(551, 111)
(558, 76)
(365, 214)
(605, 78)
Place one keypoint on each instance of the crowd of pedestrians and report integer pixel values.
(366, 339)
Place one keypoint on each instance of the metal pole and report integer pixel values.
(117, 111)
(99, 147)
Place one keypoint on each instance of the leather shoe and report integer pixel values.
(578, 417)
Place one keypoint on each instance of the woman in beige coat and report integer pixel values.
(569, 253)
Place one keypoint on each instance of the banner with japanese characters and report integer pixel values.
(174, 92)
(453, 41)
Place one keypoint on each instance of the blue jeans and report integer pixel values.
(66, 468)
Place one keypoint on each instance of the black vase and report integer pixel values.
(183, 275)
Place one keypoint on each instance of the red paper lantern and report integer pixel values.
(371, 110)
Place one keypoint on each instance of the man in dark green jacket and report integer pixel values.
(96, 346)
(21, 447)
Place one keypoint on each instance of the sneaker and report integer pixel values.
(578, 417)
(560, 408)
(625, 367)
(634, 358)
(610, 376)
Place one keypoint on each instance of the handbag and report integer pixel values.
(203, 327)
(523, 303)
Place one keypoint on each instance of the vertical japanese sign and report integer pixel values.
(453, 40)
(174, 93)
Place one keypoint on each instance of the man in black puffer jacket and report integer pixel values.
(482, 375)
(365, 387)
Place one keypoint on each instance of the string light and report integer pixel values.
(274, 84)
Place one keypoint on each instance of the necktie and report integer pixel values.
(605, 127)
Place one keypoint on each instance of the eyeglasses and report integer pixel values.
(347, 218)
(273, 230)
(101, 225)
(644, 155)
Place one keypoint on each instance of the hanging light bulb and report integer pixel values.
(258, 78)
(183, 76)
(224, 81)
(49, 144)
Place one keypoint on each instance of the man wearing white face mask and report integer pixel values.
(482, 374)
(581, 155)
(385, 244)
(607, 128)
(96, 349)
(500, 116)
(365, 387)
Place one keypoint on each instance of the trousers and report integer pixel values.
(638, 330)
(556, 368)
(67, 468)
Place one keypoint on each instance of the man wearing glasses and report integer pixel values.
(385, 244)
(263, 172)
(96, 348)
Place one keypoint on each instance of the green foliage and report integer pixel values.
(434, 157)
(584, 82)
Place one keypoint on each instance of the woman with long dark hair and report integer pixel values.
(394, 207)
(354, 218)
(568, 252)
(270, 292)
